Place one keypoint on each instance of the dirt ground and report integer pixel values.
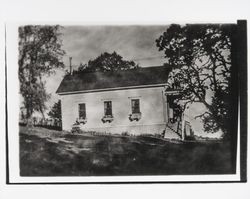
(46, 152)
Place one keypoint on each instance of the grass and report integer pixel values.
(45, 152)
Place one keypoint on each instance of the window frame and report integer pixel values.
(135, 107)
(108, 108)
(80, 111)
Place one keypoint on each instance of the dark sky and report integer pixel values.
(131, 42)
(83, 43)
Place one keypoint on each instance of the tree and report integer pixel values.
(107, 62)
(55, 111)
(200, 57)
(82, 67)
(39, 54)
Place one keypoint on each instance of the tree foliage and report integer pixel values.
(55, 111)
(39, 54)
(200, 56)
(107, 62)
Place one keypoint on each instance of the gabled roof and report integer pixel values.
(95, 81)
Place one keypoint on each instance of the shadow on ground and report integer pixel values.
(44, 153)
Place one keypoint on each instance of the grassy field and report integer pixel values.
(45, 152)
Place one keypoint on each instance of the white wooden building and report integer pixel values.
(133, 101)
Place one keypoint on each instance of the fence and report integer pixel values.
(54, 124)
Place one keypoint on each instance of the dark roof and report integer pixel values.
(110, 80)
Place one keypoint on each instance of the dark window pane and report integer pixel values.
(107, 108)
(135, 105)
(82, 111)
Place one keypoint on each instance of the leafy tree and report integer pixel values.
(107, 62)
(55, 111)
(82, 67)
(39, 54)
(200, 57)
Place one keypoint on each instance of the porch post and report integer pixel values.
(182, 127)
(164, 101)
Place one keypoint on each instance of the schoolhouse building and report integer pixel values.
(134, 101)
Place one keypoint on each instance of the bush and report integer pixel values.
(76, 129)
(125, 133)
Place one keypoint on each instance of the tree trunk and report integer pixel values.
(30, 122)
(29, 118)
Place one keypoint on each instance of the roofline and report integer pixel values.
(112, 89)
(172, 92)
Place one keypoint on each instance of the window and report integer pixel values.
(135, 106)
(107, 108)
(82, 111)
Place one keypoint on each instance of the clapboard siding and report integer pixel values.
(152, 108)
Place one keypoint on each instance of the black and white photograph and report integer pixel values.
(127, 100)
(124, 99)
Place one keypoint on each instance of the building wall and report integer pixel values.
(152, 107)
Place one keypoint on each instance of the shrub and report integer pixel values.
(125, 133)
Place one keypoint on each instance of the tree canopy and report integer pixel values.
(40, 53)
(55, 111)
(200, 57)
(107, 62)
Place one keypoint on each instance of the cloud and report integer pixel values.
(132, 42)
(83, 43)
